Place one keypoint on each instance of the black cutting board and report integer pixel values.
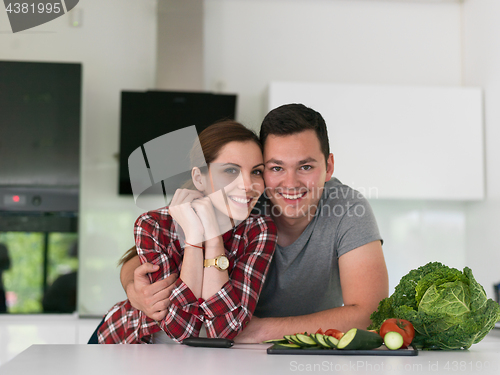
(382, 351)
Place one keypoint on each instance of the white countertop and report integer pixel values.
(482, 358)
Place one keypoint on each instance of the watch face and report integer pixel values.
(223, 262)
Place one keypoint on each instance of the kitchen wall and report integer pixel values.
(250, 43)
(117, 47)
(481, 34)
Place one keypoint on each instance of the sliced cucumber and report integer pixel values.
(320, 339)
(276, 341)
(305, 340)
(359, 339)
(332, 341)
(293, 339)
(288, 346)
(313, 337)
(393, 340)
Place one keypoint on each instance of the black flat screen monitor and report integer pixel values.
(148, 115)
(40, 124)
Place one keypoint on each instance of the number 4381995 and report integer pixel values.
(469, 366)
(32, 8)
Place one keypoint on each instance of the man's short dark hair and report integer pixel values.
(295, 118)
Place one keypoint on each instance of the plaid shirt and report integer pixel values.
(249, 248)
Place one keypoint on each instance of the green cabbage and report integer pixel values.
(448, 308)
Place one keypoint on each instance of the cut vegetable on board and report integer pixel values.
(403, 327)
(354, 339)
(359, 339)
(393, 340)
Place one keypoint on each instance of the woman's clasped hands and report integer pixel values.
(195, 214)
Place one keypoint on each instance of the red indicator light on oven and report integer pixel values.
(15, 198)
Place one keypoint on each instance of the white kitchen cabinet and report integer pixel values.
(399, 142)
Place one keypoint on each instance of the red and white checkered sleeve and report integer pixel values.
(183, 318)
(125, 325)
(155, 239)
(231, 308)
(153, 233)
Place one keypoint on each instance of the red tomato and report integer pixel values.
(335, 333)
(320, 331)
(404, 327)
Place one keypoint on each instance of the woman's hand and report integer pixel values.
(206, 212)
(181, 210)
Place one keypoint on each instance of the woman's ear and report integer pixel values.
(198, 180)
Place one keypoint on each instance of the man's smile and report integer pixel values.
(294, 197)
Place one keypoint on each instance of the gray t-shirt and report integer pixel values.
(303, 277)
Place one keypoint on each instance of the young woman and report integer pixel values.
(208, 236)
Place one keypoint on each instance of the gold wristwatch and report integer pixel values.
(221, 263)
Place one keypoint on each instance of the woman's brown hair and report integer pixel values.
(212, 140)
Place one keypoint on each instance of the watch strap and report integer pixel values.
(209, 262)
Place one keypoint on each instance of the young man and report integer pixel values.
(328, 270)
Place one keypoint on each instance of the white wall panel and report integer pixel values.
(399, 142)
(249, 43)
(482, 68)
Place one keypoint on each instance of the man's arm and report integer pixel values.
(127, 271)
(151, 299)
(364, 280)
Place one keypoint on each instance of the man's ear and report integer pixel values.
(198, 180)
(329, 167)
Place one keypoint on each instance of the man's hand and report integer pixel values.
(151, 299)
(252, 333)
